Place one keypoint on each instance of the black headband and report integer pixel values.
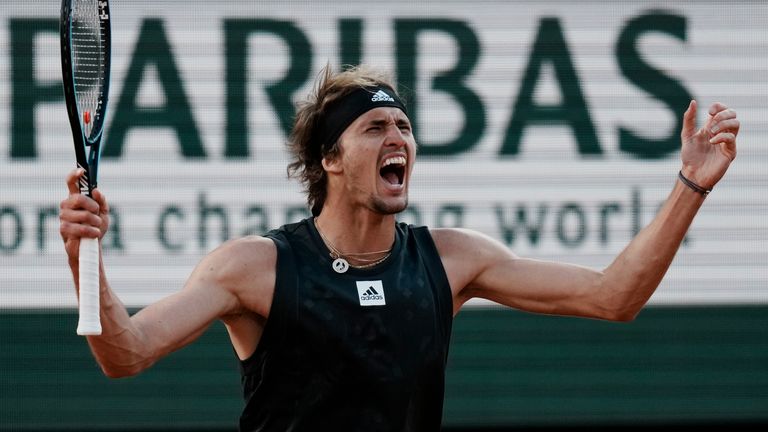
(346, 110)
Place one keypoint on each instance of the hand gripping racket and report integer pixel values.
(85, 63)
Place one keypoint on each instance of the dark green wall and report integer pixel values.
(672, 365)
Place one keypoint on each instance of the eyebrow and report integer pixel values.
(381, 122)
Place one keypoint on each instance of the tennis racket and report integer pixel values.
(85, 63)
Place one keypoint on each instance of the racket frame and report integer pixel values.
(89, 309)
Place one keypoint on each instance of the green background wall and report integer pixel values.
(671, 366)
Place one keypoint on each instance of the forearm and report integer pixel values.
(121, 349)
(635, 274)
(706, 154)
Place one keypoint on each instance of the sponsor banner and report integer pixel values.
(550, 126)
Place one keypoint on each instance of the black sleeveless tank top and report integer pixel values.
(365, 350)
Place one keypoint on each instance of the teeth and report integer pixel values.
(399, 160)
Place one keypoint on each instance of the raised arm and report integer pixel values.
(130, 344)
(479, 266)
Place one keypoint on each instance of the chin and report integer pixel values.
(388, 207)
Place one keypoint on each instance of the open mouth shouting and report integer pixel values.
(392, 171)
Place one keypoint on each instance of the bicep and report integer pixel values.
(210, 293)
(482, 267)
(177, 320)
(541, 286)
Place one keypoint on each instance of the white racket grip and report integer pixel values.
(89, 320)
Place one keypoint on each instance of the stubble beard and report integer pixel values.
(383, 207)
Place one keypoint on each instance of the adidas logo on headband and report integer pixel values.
(342, 112)
(381, 96)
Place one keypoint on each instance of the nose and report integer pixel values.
(394, 136)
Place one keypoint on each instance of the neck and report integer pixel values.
(358, 231)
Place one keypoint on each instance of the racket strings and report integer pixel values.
(88, 62)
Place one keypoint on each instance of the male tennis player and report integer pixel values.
(342, 321)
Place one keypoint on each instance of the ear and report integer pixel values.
(332, 165)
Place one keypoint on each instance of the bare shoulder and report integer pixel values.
(465, 254)
(467, 244)
(245, 267)
(241, 256)
(251, 250)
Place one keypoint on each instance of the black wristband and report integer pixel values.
(693, 185)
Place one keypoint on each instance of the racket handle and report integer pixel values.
(89, 320)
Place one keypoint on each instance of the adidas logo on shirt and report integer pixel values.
(381, 96)
(371, 293)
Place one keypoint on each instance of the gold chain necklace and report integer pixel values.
(341, 260)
